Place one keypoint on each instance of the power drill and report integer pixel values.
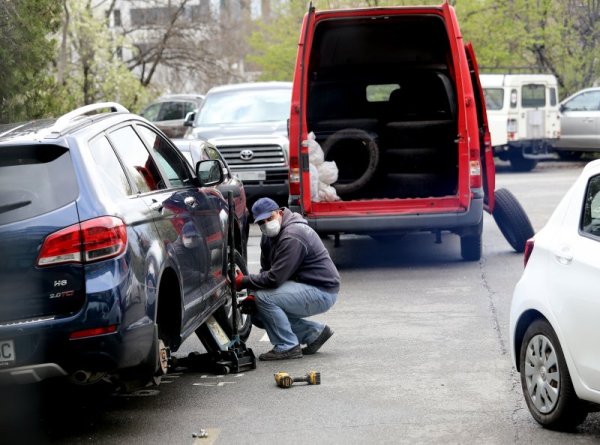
(284, 380)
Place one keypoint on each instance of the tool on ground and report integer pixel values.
(284, 380)
(224, 354)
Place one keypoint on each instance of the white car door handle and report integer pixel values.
(563, 255)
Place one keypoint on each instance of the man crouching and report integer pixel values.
(297, 280)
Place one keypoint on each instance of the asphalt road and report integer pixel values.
(420, 354)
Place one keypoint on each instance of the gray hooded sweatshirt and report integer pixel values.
(295, 254)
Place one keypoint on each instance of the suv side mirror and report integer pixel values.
(189, 119)
(209, 173)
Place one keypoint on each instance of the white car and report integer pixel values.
(555, 310)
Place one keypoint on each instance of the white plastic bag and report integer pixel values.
(314, 183)
(328, 172)
(327, 193)
(315, 152)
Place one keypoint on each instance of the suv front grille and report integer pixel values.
(260, 156)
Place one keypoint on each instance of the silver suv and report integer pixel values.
(248, 124)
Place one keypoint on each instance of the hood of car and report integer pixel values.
(227, 130)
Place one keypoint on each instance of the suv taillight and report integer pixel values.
(92, 240)
(528, 250)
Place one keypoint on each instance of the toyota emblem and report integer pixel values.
(246, 155)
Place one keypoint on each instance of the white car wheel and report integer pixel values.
(546, 381)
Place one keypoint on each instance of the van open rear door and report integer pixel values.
(485, 141)
(299, 179)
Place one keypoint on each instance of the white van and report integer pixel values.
(523, 116)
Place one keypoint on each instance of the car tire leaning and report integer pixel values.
(511, 219)
(546, 381)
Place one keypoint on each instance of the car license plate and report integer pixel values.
(252, 175)
(7, 352)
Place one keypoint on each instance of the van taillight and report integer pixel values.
(294, 180)
(475, 169)
(528, 250)
(92, 240)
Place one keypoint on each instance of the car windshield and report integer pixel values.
(263, 105)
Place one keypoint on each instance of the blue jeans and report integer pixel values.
(282, 311)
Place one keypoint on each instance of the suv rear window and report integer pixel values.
(533, 96)
(35, 180)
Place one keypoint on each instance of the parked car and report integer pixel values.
(554, 327)
(113, 248)
(579, 124)
(196, 151)
(522, 112)
(392, 95)
(248, 124)
(169, 112)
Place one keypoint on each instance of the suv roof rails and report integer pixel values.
(82, 111)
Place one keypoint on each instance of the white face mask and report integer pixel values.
(271, 228)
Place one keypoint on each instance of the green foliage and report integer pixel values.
(93, 70)
(275, 43)
(527, 36)
(26, 53)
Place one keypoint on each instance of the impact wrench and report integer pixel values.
(284, 380)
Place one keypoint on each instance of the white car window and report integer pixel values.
(591, 212)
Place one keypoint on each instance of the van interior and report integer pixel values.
(381, 102)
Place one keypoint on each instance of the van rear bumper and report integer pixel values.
(457, 222)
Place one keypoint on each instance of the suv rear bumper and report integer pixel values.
(457, 222)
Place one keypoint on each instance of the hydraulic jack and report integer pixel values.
(224, 354)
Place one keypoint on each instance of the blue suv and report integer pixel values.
(113, 250)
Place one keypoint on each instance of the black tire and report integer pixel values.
(546, 381)
(470, 247)
(470, 244)
(225, 315)
(569, 155)
(520, 164)
(359, 160)
(512, 219)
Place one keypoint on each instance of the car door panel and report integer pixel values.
(197, 215)
(582, 306)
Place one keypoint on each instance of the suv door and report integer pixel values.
(186, 217)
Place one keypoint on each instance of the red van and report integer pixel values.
(392, 95)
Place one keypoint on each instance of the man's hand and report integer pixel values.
(248, 305)
(238, 280)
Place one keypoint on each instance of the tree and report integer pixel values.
(275, 42)
(185, 46)
(548, 36)
(88, 66)
(26, 83)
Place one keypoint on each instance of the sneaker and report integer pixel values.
(295, 352)
(316, 345)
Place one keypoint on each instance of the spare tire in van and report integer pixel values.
(356, 155)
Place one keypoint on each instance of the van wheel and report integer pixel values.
(520, 164)
(470, 247)
(511, 219)
(546, 381)
(356, 156)
(225, 314)
(569, 155)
